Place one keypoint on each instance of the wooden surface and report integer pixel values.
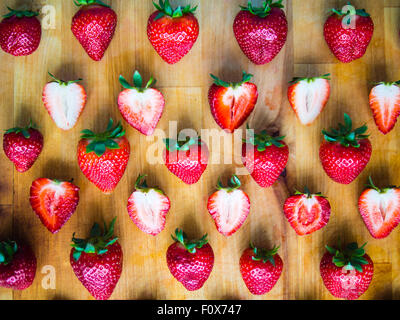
(185, 85)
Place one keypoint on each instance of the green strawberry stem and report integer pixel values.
(263, 11)
(24, 131)
(233, 184)
(387, 83)
(308, 193)
(62, 82)
(165, 9)
(264, 255)
(371, 185)
(20, 14)
(351, 12)
(7, 250)
(309, 80)
(79, 3)
(263, 140)
(137, 82)
(351, 257)
(174, 145)
(190, 245)
(246, 77)
(141, 184)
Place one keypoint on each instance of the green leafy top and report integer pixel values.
(345, 135)
(245, 78)
(100, 142)
(25, 131)
(351, 257)
(20, 14)
(137, 82)
(174, 145)
(264, 255)
(264, 10)
(233, 184)
(88, 2)
(62, 82)
(351, 12)
(371, 185)
(7, 250)
(142, 186)
(165, 9)
(312, 79)
(394, 83)
(263, 140)
(190, 245)
(97, 243)
(308, 193)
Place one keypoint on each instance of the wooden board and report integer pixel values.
(185, 85)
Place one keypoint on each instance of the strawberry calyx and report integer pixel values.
(394, 83)
(190, 245)
(98, 241)
(23, 130)
(165, 9)
(62, 82)
(233, 184)
(137, 82)
(141, 185)
(7, 250)
(184, 145)
(80, 3)
(264, 255)
(246, 77)
(345, 135)
(351, 10)
(263, 140)
(20, 14)
(312, 79)
(263, 11)
(308, 194)
(371, 185)
(351, 257)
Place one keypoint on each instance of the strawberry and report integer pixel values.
(54, 202)
(265, 157)
(229, 206)
(141, 107)
(261, 32)
(20, 32)
(186, 159)
(345, 153)
(148, 207)
(103, 157)
(64, 101)
(380, 209)
(97, 261)
(348, 33)
(23, 146)
(346, 272)
(260, 269)
(94, 26)
(232, 103)
(190, 262)
(307, 212)
(308, 97)
(171, 32)
(384, 100)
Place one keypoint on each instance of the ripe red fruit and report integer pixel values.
(190, 262)
(261, 32)
(232, 103)
(346, 272)
(172, 33)
(345, 153)
(17, 265)
(97, 261)
(23, 146)
(94, 26)
(260, 269)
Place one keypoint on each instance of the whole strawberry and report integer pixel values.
(171, 32)
(345, 152)
(97, 261)
(190, 262)
(348, 33)
(346, 272)
(17, 265)
(103, 157)
(260, 269)
(261, 32)
(20, 32)
(94, 26)
(23, 146)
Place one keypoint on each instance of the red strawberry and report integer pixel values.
(94, 26)
(54, 202)
(347, 273)
(261, 32)
(380, 209)
(265, 158)
(186, 159)
(20, 32)
(17, 265)
(345, 153)
(148, 207)
(232, 103)
(103, 157)
(384, 100)
(172, 33)
(23, 146)
(141, 107)
(190, 262)
(348, 33)
(97, 261)
(260, 269)
(307, 212)
(308, 97)
(229, 207)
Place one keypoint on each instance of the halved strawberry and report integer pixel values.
(64, 101)
(380, 209)
(384, 100)
(148, 207)
(229, 206)
(308, 97)
(141, 107)
(54, 202)
(232, 103)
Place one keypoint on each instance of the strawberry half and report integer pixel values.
(54, 202)
(148, 207)
(384, 100)
(141, 107)
(307, 212)
(232, 103)
(64, 101)
(229, 206)
(308, 97)
(380, 209)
